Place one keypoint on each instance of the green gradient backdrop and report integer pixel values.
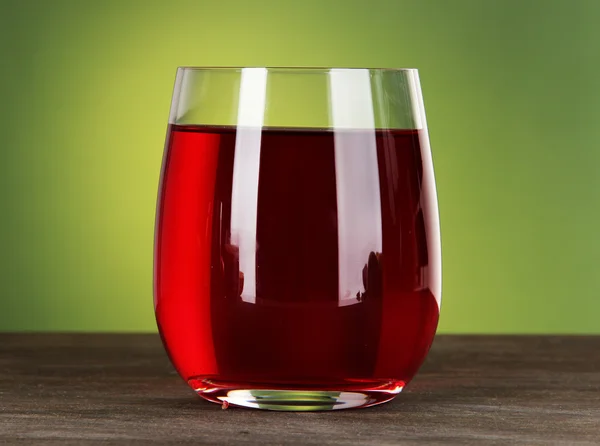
(512, 91)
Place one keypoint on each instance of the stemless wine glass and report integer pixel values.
(297, 253)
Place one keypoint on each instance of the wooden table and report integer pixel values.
(77, 389)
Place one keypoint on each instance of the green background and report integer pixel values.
(512, 92)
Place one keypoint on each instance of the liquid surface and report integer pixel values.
(296, 259)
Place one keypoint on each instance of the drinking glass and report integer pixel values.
(297, 252)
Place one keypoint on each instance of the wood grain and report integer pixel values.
(73, 389)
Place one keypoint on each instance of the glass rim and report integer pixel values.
(288, 68)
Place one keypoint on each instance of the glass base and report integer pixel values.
(287, 398)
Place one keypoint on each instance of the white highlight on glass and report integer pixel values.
(432, 219)
(246, 167)
(357, 178)
(416, 100)
(181, 91)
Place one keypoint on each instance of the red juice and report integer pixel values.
(296, 259)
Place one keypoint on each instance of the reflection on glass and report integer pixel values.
(357, 178)
(246, 169)
(372, 278)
